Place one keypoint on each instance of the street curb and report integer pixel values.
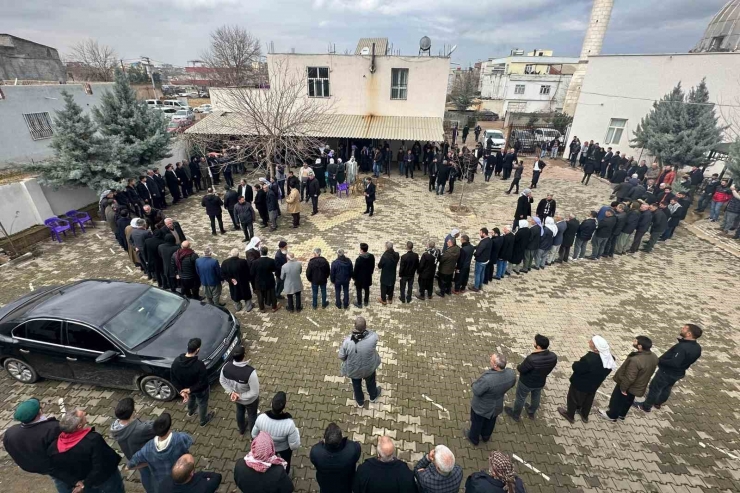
(18, 260)
(701, 234)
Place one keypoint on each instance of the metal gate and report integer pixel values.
(532, 138)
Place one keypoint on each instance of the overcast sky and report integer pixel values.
(175, 31)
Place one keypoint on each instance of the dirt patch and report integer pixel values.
(461, 209)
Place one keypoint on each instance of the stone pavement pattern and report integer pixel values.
(432, 350)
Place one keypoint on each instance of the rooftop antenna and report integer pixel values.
(425, 44)
(452, 50)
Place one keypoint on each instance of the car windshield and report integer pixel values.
(182, 112)
(172, 125)
(145, 317)
(495, 135)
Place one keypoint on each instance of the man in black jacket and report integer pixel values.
(161, 184)
(314, 190)
(387, 265)
(546, 208)
(427, 269)
(583, 235)
(621, 222)
(462, 274)
(658, 226)
(173, 183)
(190, 378)
(533, 245)
(213, 204)
(81, 459)
(569, 237)
(672, 367)
(643, 224)
(335, 459)
(533, 372)
(384, 473)
(588, 374)
(363, 274)
(231, 198)
(142, 191)
(182, 172)
(706, 197)
(317, 273)
(182, 263)
(156, 193)
(603, 234)
(195, 172)
(482, 256)
(523, 208)
(175, 230)
(406, 271)
(263, 272)
(184, 479)
(369, 196)
(27, 442)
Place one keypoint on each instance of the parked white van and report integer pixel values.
(154, 103)
(174, 103)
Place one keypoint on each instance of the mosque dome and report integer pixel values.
(723, 33)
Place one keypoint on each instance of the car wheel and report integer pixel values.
(157, 388)
(20, 370)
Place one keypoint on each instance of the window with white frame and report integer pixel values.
(39, 124)
(318, 82)
(529, 69)
(544, 89)
(519, 89)
(616, 128)
(399, 83)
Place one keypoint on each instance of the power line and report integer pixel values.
(661, 101)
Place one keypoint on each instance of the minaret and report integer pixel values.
(600, 14)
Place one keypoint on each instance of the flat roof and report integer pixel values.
(537, 60)
(708, 53)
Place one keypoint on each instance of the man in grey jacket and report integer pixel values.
(488, 399)
(360, 359)
(132, 434)
(240, 381)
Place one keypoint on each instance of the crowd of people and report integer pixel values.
(79, 460)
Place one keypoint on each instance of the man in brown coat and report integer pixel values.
(446, 268)
(632, 379)
(294, 205)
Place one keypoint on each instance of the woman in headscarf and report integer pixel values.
(500, 477)
(588, 374)
(261, 470)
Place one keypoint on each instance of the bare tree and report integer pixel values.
(464, 89)
(233, 57)
(268, 125)
(97, 62)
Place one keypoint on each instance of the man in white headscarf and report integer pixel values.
(588, 374)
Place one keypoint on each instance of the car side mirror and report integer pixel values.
(106, 357)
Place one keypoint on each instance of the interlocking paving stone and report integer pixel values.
(436, 348)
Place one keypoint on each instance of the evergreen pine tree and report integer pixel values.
(677, 133)
(136, 135)
(80, 156)
(733, 163)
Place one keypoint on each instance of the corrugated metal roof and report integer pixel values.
(337, 126)
(381, 45)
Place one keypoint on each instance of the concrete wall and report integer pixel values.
(26, 60)
(17, 145)
(25, 204)
(356, 91)
(643, 79)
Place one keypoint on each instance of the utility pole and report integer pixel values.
(149, 72)
(122, 67)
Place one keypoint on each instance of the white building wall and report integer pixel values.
(642, 80)
(356, 91)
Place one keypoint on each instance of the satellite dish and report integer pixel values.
(365, 51)
(425, 43)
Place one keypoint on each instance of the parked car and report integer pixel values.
(110, 333)
(154, 103)
(488, 116)
(547, 134)
(526, 137)
(203, 108)
(178, 126)
(186, 115)
(168, 112)
(174, 103)
(497, 136)
(203, 94)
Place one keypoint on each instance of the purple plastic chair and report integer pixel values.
(57, 226)
(77, 217)
(343, 187)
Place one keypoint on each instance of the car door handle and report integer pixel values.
(24, 351)
(71, 359)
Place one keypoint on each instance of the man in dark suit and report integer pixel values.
(173, 183)
(175, 230)
(142, 190)
(363, 274)
(263, 272)
(244, 190)
(152, 184)
(369, 196)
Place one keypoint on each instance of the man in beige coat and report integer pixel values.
(632, 379)
(294, 205)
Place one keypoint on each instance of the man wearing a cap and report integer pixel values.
(28, 441)
(454, 234)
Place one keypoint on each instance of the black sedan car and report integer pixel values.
(111, 333)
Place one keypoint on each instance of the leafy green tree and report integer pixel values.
(81, 157)
(136, 135)
(137, 75)
(464, 90)
(681, 129)
(560, 121)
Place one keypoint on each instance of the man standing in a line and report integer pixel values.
(369, 196)
(263, 272)
(335, 460)
(632, 379)
(209, 273)
(190, 378)
(446, 267)
(523, 207)
(533, 372)
(340, 275)
(384, 473)
(317, 273)
(588, 374)
(482, 256)
(360, 360)
(437, 472)
(363, 275)
(387, 265)
(240, 381)
(488, 399)
(314, 190)
(672, 367)
(281, 258)
(407, 270)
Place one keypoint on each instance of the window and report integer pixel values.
(544, 89)
(529, 69)
(49, 331)
(39, 124)
(614, 133)
(519, 89)
(318, 82)
(399, 83)
(81, 337)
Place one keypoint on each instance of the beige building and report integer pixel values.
(370, 95)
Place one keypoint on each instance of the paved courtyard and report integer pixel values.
(433, 350)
